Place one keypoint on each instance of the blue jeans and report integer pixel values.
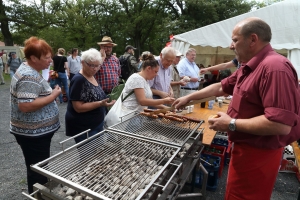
(62, 81)
(11, 73)
(92, 132)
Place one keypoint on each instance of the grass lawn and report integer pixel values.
(6, 78)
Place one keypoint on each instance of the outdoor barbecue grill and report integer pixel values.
(125, 162)
(160, 129)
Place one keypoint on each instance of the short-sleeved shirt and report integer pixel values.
(187, 68)
(135, 81)
(266, 85)
(4, 58)
(28, 84)
(59, 63)
(14, 63)
(74, 64)
(109, 73)
(82, 90)
(163, 78)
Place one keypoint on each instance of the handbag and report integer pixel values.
(118, 112)
(54, 75)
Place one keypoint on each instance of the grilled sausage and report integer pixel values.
(193, 119)
(174, 118)
(153, 116)
(145, 114)
(160, 114)
(149, 115)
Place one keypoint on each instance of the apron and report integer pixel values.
(252, 172)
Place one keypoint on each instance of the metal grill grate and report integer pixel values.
(111, 166)
(161, 129)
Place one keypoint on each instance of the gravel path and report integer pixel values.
(13, 171)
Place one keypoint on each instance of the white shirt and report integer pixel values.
(133, 82)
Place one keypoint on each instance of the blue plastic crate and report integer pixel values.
(223, 142)
(213, 178)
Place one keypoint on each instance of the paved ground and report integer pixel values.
(13, 172)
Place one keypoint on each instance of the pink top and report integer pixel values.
(266, 85)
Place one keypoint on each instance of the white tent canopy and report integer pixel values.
(283, 18)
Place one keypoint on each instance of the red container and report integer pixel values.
(216, 150)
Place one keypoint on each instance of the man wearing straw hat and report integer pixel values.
(110, 71)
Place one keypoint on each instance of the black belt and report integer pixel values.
(190, 88)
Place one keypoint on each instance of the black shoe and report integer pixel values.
(2, 83)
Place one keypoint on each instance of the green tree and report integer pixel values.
(145, 24)
(194, 14)
(25, 19)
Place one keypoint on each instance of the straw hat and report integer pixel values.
(106, 40)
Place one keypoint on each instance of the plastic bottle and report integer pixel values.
(213, 149)
(211, 104)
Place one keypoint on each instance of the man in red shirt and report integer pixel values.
(263, 115)
(110, 71)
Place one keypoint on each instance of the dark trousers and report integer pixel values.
(34, 151)
(71, 76)
(92, 132)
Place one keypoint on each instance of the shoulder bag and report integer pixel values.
(118, 112)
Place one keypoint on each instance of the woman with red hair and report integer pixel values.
(34, 112)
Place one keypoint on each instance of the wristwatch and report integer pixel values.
(232, 125)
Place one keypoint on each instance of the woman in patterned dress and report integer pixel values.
(34, 112)
(86, 107)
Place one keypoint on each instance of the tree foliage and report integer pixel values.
(145, 24)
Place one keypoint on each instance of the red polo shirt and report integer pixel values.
(266, 85)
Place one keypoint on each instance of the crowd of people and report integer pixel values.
(262, 117)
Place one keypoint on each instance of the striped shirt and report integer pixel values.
(162, 80)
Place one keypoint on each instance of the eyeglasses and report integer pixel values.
(92, 65)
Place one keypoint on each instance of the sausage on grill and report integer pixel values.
(173, 118)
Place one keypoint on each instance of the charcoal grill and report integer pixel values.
(98, 167)
(110, 165)
(160, 129)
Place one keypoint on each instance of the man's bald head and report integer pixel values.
(257, 26)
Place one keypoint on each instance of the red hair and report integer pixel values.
(36, 47)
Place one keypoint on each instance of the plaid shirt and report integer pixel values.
(109, 73)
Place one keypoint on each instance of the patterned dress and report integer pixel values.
(82, 90)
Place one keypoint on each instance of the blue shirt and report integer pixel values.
(187, 68)
(162, 80)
